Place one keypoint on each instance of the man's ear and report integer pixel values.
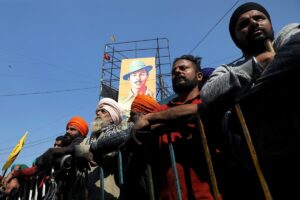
(199, 76)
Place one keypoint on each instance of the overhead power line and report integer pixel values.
(210, 30)
(28, 146)
(47, 92)
(43, 78)
(7, 150)
(221, 59)
(79, 74)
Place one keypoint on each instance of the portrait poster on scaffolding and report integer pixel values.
(137, 76)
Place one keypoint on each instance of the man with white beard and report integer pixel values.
(107, 122)
(107, 137)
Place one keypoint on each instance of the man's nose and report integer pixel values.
(254, 23)
(177, 71)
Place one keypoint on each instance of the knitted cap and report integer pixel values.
(80, 124)
(241, 10)
(144, 104)
(113, 108)
(20, 166)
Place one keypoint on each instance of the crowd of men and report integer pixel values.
(160, 152)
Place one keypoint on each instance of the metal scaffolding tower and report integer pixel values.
(115, 52)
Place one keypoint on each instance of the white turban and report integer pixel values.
(113, 108)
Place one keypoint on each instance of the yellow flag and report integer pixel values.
(15, 152)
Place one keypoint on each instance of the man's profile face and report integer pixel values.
(101, 120)
(103, 115)
(58, 144)
(138, 79)
(72, 132)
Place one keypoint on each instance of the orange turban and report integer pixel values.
(80, 124)
(144, 104)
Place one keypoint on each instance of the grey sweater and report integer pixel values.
(229, 81)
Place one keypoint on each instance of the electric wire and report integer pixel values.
(47, 92)
(214, 26)
(32, 143)
(46, 63)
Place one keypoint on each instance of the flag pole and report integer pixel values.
(14, 153)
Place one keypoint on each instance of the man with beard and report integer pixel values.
(106, 123)
(68, 180)
(61, 141)
(190, 162)
(21, 174)
(107, 138)
(260, 81)
(76, 130)
(250, 27)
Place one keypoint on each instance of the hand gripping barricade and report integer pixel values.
(272, 112)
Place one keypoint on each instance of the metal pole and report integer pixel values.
(31, 189)
(120, 164)
(150, 182)
(253, 152)
(101, 182)
(36, 189)
(43, 190)
(3, 174)
(173, 163)
(207, 155)
(265, 187)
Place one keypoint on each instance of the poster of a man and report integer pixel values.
(137, 77)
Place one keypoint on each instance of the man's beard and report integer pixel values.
(185, 87)
(256, 45)
(98, 124)
(70, 138)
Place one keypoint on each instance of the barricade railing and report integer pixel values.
(34, 190)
